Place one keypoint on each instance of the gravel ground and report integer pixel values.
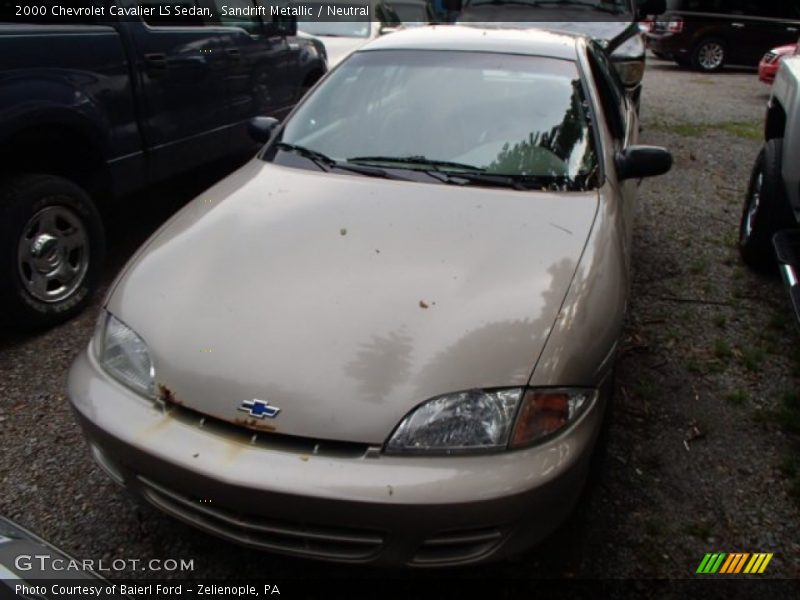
(699, 459)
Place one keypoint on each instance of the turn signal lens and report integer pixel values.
(545, 412)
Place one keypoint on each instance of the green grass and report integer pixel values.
(737, 397)
(752, 359)
(722, 349)
(720, 321)
(693, 366)
(647, 391)
(788, 414)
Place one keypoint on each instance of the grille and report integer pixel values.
(268, 440)
(266, 534)
(458, 546)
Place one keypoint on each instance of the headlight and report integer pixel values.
(124, 355)
(487, 420)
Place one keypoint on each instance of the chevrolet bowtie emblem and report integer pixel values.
(259, 409)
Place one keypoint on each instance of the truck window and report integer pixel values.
(173, 13)
(239, 13)
(42, 11)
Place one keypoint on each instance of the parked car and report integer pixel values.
(708, 34)
(345, 33)
(614, 24)
(772, 59)
(414, 13)
(388, 339)
(772, 205)
(111, 106)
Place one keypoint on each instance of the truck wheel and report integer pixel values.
(766, 209)
(709, 55)
(51, 250)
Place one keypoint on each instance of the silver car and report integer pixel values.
(389, 338)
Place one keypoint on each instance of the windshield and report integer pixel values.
(486, 113)
(333, 24)
(608, 6)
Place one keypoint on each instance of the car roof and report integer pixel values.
(534, 42)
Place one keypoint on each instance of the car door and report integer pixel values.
(177, 67)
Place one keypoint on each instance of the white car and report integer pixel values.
(345, 34)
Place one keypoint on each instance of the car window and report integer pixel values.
(498, 114)
(238, 13)
(612, 97)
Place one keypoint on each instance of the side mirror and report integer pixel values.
(261, 128)
(650, 7)
(286, 26)
(637, 162)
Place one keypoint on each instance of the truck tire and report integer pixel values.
(709, 55)
(51, 250)
(766, 209)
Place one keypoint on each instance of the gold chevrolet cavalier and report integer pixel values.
(389, 338)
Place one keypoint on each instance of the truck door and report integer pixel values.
(178, 66)
(259, 73)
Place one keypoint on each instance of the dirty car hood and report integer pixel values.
(346, 300)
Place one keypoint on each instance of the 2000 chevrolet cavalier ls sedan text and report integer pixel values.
(389, 338)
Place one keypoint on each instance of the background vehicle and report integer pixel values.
(414, 13)
(614, 24)
(768, 66)
(345, 34)
(93, 110)
(708, 34)
(773, 200)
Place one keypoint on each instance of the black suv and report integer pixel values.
(707, 34)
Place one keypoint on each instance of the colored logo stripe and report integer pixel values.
(711, 563)
(733, 563)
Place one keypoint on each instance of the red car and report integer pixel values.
(772, 60)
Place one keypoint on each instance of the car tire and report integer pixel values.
(766, 209)
(709, 55)
(51, 250)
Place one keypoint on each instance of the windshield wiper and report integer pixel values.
(323, 161)
(525, 183)
(422, 161)
(456, 173)
(326, 163)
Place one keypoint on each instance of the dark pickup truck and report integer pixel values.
(94, 108)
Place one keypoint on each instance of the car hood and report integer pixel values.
(339, 48)
(344, 300)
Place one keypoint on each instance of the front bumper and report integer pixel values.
(372, 508)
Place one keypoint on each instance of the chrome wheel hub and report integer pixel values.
(53, 254)
(710, 56)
